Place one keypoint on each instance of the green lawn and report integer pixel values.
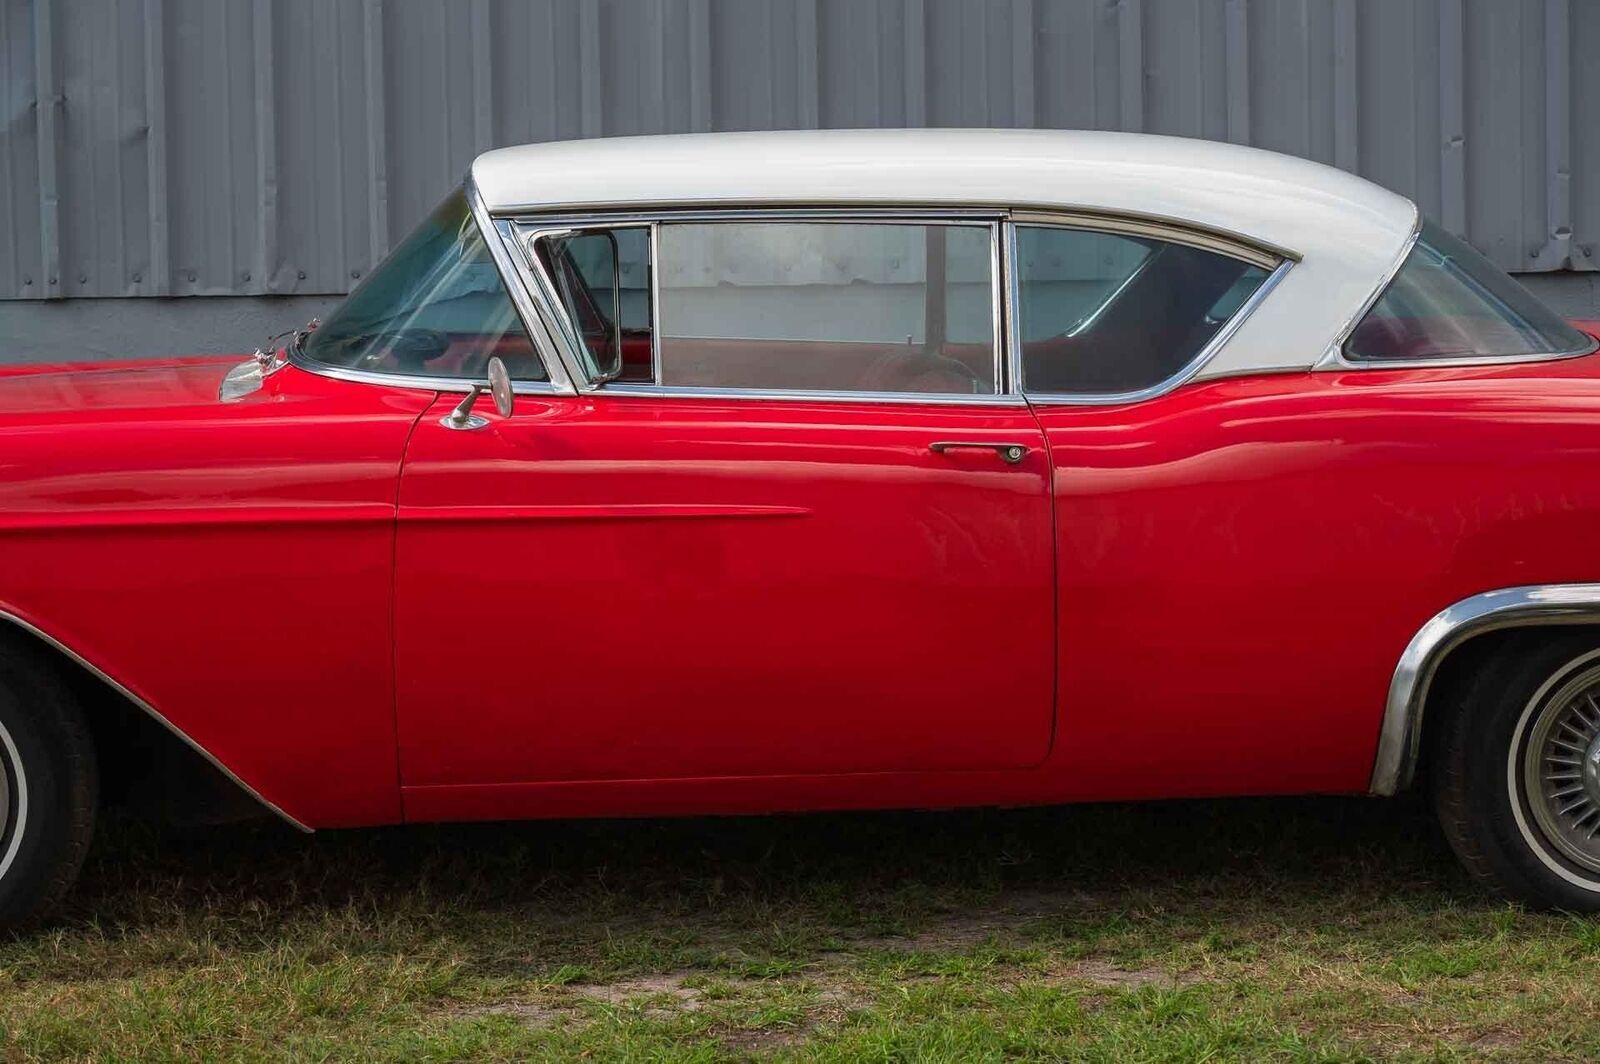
(1294, 930)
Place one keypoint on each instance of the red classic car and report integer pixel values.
(831, 470)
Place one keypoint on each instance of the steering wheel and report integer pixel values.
(916, 371)
(410, 349)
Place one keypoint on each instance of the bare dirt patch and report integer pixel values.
(1104, 974)
(665, 992)
(661, 995)
(529, 1013)
(1497, 1039)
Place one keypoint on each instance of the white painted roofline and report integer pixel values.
(1347, 232)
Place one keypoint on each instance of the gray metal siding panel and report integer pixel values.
(253, 147)
(1584, 114)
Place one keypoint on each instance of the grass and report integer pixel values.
(1324, 930)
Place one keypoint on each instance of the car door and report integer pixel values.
(815, 538)
(1195, 524)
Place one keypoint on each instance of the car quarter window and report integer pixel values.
(886, 307)
(1108, 313)
(1448, 301)
(436, 307)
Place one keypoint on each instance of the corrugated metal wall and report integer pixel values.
(238, 147)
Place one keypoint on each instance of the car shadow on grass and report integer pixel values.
(854, 874)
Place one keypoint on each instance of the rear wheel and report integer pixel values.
(1517, 771)
(47, 790)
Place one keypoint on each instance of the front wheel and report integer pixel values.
(1516, 771)
(48, 789)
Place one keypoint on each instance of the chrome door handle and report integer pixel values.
(1010, 453)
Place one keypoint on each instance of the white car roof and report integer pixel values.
(1347, 233)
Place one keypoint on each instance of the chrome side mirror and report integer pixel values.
(499, 389)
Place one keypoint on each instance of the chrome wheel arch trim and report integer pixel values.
(13, 758)
(1533, 605)
(97, 672)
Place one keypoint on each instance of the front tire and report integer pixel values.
(1516, 771)
(48, 789)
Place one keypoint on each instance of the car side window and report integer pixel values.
(1108, 313)
(1448, 301)
(884, 307)
(436, 307)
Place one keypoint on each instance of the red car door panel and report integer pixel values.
(637, 587)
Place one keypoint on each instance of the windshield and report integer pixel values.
(1448, 301)
(436, 307)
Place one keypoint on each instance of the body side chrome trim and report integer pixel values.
(1512, 607)
(152, 711)
(1190, 370)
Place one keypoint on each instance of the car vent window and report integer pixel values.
(1448, 301)
(601, 275)
(436, 307)
(828, 306)
(1106, 314)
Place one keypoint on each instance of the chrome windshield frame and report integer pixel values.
(558, 380)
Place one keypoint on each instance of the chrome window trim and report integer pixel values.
(655, 391)
(1184, 374)
(1334, 360)
(1232, 245)
(557, 383)
(1337, 348)
(1400, 734)
(1011, 340)
(996, 305)
(524, 224)
(644, 213)
(91, 667)
(432, 384)
(655, 301)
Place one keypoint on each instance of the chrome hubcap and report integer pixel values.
(1561, 769)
